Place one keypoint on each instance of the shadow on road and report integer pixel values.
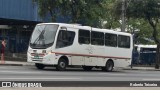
(77, 70)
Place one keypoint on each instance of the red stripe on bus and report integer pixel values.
(90, 55)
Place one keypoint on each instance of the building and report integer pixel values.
(17, 20)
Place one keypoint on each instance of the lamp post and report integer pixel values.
(123, 16)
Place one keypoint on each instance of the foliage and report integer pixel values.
(111, 19)
(142, 15)
(87, 12)
(149, 10)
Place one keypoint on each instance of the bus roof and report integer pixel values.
(78, 26)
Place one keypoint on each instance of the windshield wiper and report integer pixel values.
(40, 37)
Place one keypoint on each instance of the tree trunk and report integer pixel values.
(157, 63)
(153, 24)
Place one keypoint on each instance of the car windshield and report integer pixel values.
(43, 36)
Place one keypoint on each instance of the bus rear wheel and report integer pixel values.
(39, 66)
(109, 66)
(62, 64)
(87, 68)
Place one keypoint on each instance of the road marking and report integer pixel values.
(151, 79)
(40, 78)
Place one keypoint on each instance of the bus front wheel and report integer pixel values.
(109, 66)
(39, 66)
(62, 64)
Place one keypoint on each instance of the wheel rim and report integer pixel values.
(62, 65)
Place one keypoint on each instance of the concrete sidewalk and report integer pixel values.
(141, 68)
(15, 63)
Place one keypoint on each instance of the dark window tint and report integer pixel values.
(123, 41)
(84, 37)
(97, 38)
(111, 40)
(65, 38)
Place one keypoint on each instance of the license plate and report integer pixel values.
(36, 56)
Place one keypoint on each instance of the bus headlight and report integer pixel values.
(43, 51)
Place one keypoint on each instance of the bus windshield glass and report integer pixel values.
(43, 36)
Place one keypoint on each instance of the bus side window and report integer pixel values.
(97, 38)
(84, 37)
(110, 40)
(65, 38)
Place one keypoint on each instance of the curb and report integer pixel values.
(144, 69)
(11, 65)
(14, 64)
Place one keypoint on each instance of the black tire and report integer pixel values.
(39, 66)
(103, 69)
(62, 64)
(109, 66)
(87, 68)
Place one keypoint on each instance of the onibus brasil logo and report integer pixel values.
(20, 84)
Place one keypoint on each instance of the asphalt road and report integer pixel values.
(30, 73)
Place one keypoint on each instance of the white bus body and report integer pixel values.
(71, 44)
(139, 47)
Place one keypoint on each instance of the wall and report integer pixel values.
(19, 9)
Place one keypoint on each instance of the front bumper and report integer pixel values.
(48, 59)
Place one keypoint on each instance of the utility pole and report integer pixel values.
(123, 16)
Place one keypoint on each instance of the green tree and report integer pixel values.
(142, 29)
(137, 25)
(88, 12)
(149, 11)
(111, 19)
(48, 7)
